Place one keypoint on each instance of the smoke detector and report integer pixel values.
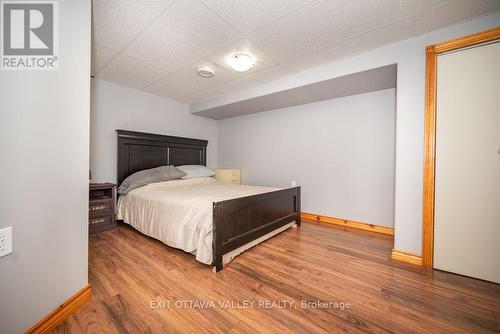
(206, 71)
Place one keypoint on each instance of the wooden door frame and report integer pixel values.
(432, 52)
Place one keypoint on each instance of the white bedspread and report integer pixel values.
(179, 213)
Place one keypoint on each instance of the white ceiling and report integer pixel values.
(157, 45)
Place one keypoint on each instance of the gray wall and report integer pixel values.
(118, 107)
(409, 55)
(44, 146)
(340, 151)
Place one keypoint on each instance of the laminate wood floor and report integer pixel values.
(299, 282)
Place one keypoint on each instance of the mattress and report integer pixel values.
(179, 212)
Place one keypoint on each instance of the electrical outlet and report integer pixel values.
(5, 241)
(294, 183)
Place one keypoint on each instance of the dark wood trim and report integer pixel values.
(217, 240)
(432, 52)
(241, 220)
(139, 150)
(52, 320)
(154, 137)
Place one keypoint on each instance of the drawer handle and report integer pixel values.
(98, 207)
(97, 221)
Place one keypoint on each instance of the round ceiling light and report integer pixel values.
(240, 62)
(206, 71)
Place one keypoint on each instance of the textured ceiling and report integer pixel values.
(157, 45)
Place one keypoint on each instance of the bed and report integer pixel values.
(214, 221)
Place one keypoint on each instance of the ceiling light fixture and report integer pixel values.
(206, 71)
(240, 62)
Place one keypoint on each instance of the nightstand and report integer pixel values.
(101, 207)
(226, 175)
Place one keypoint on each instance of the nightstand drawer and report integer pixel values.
(229, 176)
(100, 208)
(100, 221)
(98, 224)
(233, 179)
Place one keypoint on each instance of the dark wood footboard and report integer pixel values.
(241, 220)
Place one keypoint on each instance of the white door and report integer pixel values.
(467, 198)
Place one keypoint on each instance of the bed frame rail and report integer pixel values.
(241, 220)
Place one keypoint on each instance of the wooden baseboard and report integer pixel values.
(60, 314)
(406, 257)
(348, 223)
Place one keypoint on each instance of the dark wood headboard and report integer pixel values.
(138, 151)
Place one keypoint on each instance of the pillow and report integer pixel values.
(147, 176)
(196, 171)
